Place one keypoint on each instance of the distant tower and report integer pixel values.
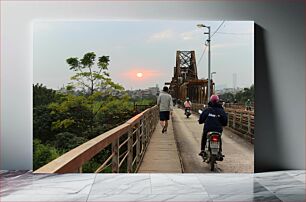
(235, 82)
(157, 90)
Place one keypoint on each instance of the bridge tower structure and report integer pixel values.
(185, 82)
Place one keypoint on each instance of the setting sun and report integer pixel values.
(139, 74)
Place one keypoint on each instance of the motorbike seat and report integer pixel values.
(214, 133)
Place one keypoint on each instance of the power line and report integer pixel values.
(231, 33)
(217, 29)
(202, 55)
(210, 37)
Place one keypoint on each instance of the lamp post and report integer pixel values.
(212, 74)
(209, 75)
(212, 79)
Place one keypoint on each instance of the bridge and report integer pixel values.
(139, 146)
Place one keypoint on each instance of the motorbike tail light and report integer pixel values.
(215, 138)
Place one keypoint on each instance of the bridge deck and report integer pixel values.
(162, 154)
(239, 154)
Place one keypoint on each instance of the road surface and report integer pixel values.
(239, 155)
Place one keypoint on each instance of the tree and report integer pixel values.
(114, 112)
(66, 141)
(43, 154)
(42, 120)
(241, 96)
(91, 76)
(85, 109)
(247, 93)
(73, 114)
(227, 97)
(43, 95)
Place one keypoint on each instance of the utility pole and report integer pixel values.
(209, 75)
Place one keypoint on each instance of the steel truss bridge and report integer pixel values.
(185, 81)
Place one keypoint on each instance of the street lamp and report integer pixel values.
(212, 75)
(212, 79)
(208, 42)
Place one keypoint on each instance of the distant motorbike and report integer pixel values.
(213, 148)
(187, 112)
(248, 108)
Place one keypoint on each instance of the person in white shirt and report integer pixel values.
(165, 104)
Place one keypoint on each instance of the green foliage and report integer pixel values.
(42, 95)
(66, 141)
(91, 76)
(247, 93)
(43, 154)
(114, 111)
(63, 121)
(147, 101)
(72, 115)
(227, 97)
(90, 166)
(93, 164)
(241, 96)
(42, 122)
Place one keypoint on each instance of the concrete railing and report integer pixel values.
(126, 145)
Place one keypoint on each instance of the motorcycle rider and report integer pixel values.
(214, 118)
(248, 105)
(187, 104)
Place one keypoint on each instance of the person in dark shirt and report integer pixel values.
(214, 118)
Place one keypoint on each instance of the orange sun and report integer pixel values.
(139, 75)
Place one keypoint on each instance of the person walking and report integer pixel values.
(165, 104)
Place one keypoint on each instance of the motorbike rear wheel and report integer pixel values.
(212, 163)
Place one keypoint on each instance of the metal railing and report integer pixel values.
(126, 144)
(237, 106)
(240, 121)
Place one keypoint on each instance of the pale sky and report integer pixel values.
(143, 46)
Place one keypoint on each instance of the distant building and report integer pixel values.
(228, 90)
(144, 93)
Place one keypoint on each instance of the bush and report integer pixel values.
(66, 141)
(43, 154)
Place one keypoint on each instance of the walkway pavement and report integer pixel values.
(162, 154)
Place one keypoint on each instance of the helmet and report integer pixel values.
(214, 98)
(187, 98)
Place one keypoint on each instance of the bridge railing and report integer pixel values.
(240, 121)
(125, 146)
(237, 106)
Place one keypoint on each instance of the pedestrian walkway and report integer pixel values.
(162, 154)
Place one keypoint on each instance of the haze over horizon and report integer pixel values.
(146, 47)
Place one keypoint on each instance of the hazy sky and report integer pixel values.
(145, 46)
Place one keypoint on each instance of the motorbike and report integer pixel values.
(213, 148)
(187, 112)
(248, 108)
